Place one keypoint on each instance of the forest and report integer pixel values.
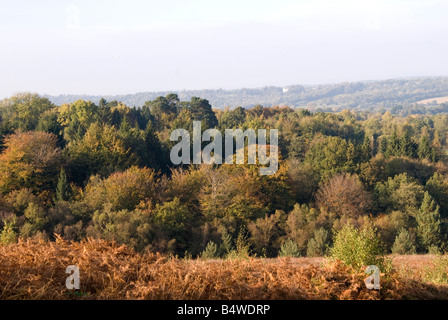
(102, 170)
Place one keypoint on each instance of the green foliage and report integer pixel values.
(30, 160)
(117, 182)
(23, 110)
(399, 192)
(428, 223)
(438, 272)
(100, 151)
(437, 187)
(318, 245)
(242, 247)
(289, 249)
(358, 248)
(128, 227)
(63, 190)
(226, 244)
(425, 150)
(8, 234)
(36, 220)
(210, 252)
(330, 155)
(404, 243)
(201, 110)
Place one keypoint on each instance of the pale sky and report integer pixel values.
(108, 47)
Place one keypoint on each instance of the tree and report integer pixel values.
(407, 146)
(123, 190)
(100, 151)
(302, 181)
(132, 228)
(23, 110)
(104, 112)
(330, 155)
(201, 110)
(174, 221)
(233, 119)
(404, 243)
(63, 189)
(344, 194)
(428, 223)
(264, 230)
(437, 186)
(48, 122)
(393, 145)
(154, 154)
(318, 245)
(76, 118)
(36, 220)
(401, 192)
(366, 149)
(425, 150)
(29, 161)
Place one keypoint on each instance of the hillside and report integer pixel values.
(353, 95)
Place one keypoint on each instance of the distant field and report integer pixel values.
(36, 270)
(439, 100)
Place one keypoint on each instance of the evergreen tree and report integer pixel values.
(63, 189)
(155, 157)
(366, 149)
(407, 146)
(104, 113)
(383, 145)
(404, 243)
(424, 148)
(393, 145)
(428, 223)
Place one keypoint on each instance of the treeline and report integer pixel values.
(103, 170)
(366, 95)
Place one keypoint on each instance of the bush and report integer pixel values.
(8, 234)
(359, 248)
(438, 272)
(242, 248)
(289, 248)
(210, 252)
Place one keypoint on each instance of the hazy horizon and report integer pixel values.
(126, 47)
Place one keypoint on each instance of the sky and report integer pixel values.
(109, 47)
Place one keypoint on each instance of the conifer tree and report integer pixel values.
(429, 223)
(63, 187)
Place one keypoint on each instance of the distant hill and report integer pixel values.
(365, 95)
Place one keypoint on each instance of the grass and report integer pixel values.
(36, 270)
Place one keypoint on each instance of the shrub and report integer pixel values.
(8, 234)
(289, 248)
(359, 248)
(210, 252)
(242, 248)
(438, 272)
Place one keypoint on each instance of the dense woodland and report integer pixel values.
(102, 170)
